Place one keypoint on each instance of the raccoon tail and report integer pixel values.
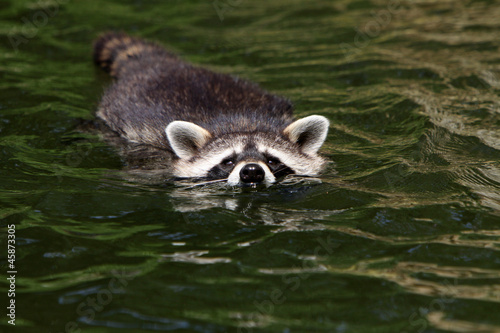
(114, 50)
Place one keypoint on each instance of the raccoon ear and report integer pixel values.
(309, 132)
(186, 138)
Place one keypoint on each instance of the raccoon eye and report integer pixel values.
(228, 162)
(273, 161)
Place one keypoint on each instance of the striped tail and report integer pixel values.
(113, 50)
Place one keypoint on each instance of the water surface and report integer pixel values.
(401, 234)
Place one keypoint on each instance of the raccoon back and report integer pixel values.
(154, 88)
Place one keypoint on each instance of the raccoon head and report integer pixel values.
(248, 158)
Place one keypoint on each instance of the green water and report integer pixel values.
(402, 234)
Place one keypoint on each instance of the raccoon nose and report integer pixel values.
(252, 173)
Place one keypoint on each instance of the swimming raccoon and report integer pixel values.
(218, 126)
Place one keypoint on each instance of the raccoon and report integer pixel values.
(217, 127)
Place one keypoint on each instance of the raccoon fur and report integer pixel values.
(217, 126)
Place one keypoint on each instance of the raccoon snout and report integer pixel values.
(252, 173)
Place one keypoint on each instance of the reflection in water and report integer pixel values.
(454, 284)
(256, 205)
(457, 136)
(439, 320)
(196, 257)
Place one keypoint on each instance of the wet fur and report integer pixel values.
(154, 88)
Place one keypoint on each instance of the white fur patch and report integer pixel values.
(313, 129)
(300, 165)
(201, 166)
(186, 138)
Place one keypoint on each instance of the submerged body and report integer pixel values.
(218, 126)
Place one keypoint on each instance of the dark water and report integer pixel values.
(402, 234)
